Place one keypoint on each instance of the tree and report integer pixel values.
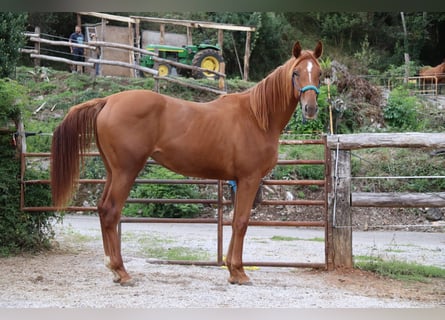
(12, 26)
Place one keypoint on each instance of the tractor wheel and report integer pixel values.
(207, 59)
(163, 69)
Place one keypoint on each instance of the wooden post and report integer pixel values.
(162, 33)
(79, 20)
(189, 36)
(222, 80)
(131, 52)
(221, 39)
(37, 48)
(222, 66)
(103, 30)
(329, 254)
(247, 56)
(339, 206)
(137, 30)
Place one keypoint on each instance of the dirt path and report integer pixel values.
(74, 275)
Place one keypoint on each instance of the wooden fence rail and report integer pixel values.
(91, 61)
(340, 197)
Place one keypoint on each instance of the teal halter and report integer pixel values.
(310, 87)
(305, 88)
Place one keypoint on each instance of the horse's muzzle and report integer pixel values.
(310, 111)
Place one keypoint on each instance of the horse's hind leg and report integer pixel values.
(110, 207)
(102, 209)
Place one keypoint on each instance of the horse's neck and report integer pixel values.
(279, 119)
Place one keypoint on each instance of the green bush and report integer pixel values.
(21, 231)
(12, 97)
(12, 25)
(307, 171)
(163, 191)
(401, 110)
(397, 162)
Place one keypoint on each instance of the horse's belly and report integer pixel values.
(200, 165)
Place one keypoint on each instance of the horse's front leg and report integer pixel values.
(245, 195)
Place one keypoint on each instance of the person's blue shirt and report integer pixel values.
(77, 38)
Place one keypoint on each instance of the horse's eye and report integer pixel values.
(296, 73)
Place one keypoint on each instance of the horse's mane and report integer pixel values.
(275, 91)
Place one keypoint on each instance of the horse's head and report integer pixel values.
(306, 79)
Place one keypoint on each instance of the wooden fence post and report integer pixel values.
(339, 206)
(222, 80)
(37, 48)
(247, 57)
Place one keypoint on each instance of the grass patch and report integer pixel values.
(284, 238)
(74, 236)
(176, 253)
(161, 248)
(399, 270)
(395, 250)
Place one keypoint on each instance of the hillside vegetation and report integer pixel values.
(359, 49)
(359, 112)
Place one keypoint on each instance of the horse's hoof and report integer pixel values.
(128, 283)
(245, 282)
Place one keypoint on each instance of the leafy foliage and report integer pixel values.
(315, 172)
(19, 230)
(11, 39)
(163, 191)
(401, 110)
(12, 97)
(397, 162)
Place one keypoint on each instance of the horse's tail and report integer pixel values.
(71, 139)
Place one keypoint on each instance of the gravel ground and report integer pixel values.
(73, 275)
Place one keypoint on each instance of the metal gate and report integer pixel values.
(221, 202)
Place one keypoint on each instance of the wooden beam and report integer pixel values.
(61, 43)
(107, 16)
(196, 24)
(64, 60)
(122, 46)
(398, 199)
(123, 64)
(385, 140)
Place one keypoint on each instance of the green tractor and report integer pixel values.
(203, 55)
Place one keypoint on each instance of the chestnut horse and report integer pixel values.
(234, 137)
(437, 71)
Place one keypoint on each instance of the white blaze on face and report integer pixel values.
(309, 70)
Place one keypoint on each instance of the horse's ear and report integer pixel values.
(297, 49)
(318, 50)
